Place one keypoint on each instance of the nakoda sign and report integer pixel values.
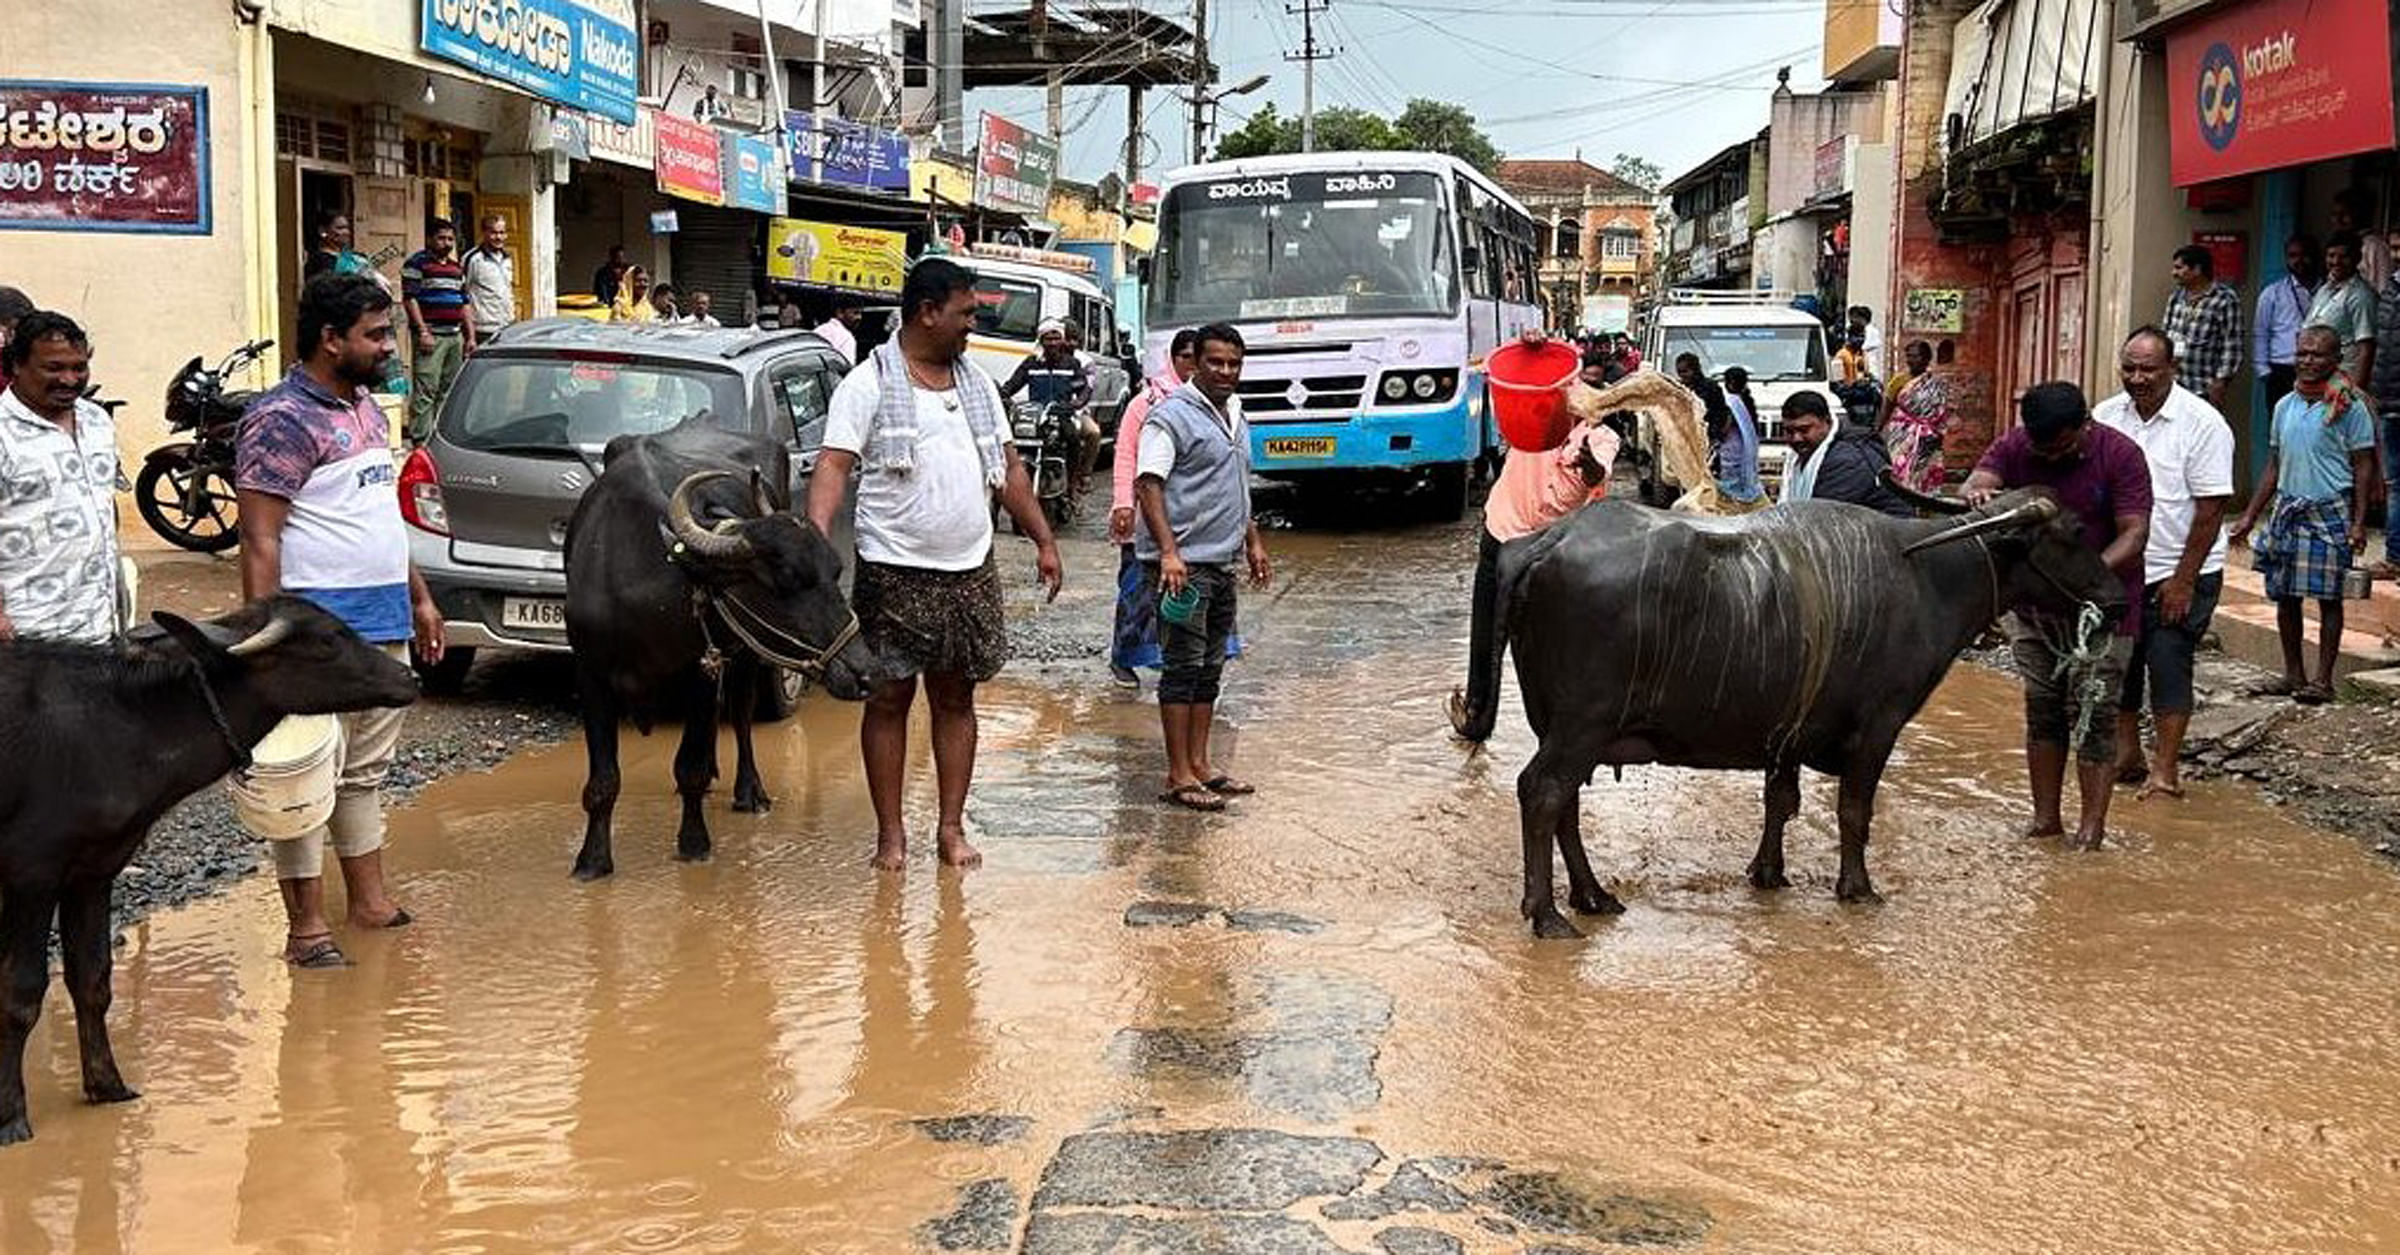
(103, 157)
(2276, 83)
(579, 53)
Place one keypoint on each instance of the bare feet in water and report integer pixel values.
(955, 852)
(891, 852)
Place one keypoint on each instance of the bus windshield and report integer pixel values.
(1772, 353)
(1306, 245)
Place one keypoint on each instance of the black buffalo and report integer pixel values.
(1803, 636)
(684, 566)
(99, 743)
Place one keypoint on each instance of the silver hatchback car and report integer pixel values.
(520, 436)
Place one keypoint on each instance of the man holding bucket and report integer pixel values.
(1537, 487)
(320, 519)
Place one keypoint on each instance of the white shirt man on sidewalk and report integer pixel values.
(58, 484)
(2189, 447)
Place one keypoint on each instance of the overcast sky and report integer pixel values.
(1671, 80)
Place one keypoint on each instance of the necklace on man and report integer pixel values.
(948, 396)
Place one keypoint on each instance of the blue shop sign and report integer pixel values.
(851, 154)
(750, 178)
(579, 53)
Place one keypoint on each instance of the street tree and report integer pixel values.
(1637, 170)
(1438, 127)
(1425, 125)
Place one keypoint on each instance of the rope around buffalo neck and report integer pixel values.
(216, 715)
(2079, 666)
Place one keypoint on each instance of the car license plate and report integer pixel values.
(545, 613)
(1300, 447)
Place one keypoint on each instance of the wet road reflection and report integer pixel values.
(1306, 1025)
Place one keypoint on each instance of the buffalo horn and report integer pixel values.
(724, 542)
(262, 640)
(759, 494)
(2039, 510)
(1924, 501)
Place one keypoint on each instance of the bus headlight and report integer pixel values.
(1425, 386)
(1417, 387)
(1395, 386)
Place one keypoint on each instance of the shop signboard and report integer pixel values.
(570, 135)
(1013, 167)
(103, 157)
(689, 163)
(1934, 309)
(751, 177)
(847, 153)
(579, 53)
(2276, 83)
(827, 255)
(628, 144)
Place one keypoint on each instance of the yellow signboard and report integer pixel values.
(854, 259)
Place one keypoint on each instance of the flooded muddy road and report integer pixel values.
(1313, 1025)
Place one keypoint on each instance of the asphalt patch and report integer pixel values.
(1201, 1170)
(1099, 1233)
(976, 1130)
(1552, 1204)
(985, 1219)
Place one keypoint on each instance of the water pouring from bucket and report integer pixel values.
(1529, 380)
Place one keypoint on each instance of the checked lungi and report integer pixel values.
(2304, 548)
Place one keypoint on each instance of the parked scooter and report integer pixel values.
(185, 489)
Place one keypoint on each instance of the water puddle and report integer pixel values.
(1314, 1024)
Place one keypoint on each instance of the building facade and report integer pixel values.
(1597, 235)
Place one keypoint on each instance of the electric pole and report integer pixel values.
(1199, 80)
(1308, 56)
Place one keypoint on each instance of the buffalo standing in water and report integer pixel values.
(685, 575)
(1808, 635)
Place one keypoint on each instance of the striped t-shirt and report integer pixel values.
(344, 545)
(439, 287)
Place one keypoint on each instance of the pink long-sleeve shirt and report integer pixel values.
(1129, 443)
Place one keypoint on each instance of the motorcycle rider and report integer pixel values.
(1055, 378)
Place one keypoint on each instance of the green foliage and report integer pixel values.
(1426, 125)
(1639, 171)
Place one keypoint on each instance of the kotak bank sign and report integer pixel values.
(2276, 83)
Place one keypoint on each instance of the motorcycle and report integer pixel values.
(185, 489)
(1045, 438)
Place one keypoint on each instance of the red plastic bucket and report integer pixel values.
(1529, 392)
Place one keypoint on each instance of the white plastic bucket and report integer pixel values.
(287, 791)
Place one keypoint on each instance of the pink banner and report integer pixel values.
(687, 160)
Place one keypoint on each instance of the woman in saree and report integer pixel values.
(1915, 417)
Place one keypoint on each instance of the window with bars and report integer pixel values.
(1621, 246)
(315, 131)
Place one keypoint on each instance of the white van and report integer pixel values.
(1016, 288)
(1783, 349)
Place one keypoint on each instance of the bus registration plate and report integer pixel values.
(1300, 447)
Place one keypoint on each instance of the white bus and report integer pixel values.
(1369, 286)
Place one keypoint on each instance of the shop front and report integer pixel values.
(2276, 118)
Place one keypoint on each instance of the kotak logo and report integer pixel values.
(2219, 95)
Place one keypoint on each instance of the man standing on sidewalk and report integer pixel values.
(1193, 485)
(2387, 403)
(2346, 306)
(2320, 468)
(320, 519)
(2103, 480)
(434, 286)
(2204, 324)
(491, 278)
(58, 488)
(927, 432)
(2282, 311)
(2189, 448)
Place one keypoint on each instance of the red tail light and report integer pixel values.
(421, 494)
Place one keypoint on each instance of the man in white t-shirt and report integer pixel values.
(927, 434)
(2189, 448)
(320, 518)
(58, 486)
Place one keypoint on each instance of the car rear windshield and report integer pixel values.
(527, 405)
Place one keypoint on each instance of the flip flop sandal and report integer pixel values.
(2312, 694)
(322, 954)
(2280, 686)
(1195, 797)
(1227, 786)
(400, 919)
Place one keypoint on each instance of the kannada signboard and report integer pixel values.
(2276, 83)
(577, 53)
(853, 259)
(689, 164)
(751, 178)
(103, 157)
(1013, 167)
(848, 154)
(1934, 309)
(632, 143)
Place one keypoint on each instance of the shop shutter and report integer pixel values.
(716, 249)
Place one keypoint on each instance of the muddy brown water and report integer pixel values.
(2185, 1043)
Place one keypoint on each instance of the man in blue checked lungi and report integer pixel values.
(2320, 467)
